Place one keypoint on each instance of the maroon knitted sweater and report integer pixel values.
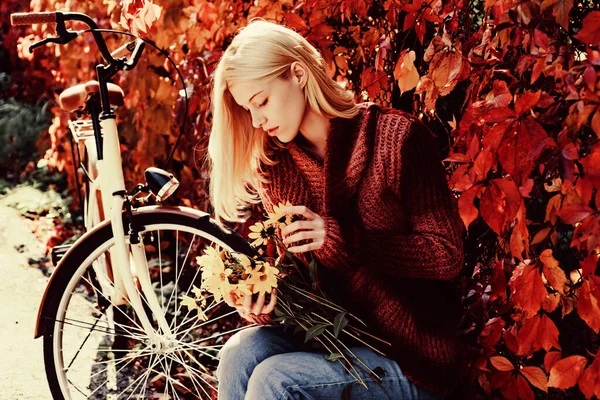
(394, 240)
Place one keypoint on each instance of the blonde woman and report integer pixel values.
(378, 217)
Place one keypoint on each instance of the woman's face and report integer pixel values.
(278, 106)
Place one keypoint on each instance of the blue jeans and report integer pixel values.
(262, 363)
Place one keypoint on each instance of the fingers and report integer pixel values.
(247, 304)
(271, 306)
(296, 226)
(260, 303)
(316, 245)
(300, 210)
(303, 235)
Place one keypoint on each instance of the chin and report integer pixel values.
(286, 138)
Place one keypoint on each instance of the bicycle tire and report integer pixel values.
(80, 258)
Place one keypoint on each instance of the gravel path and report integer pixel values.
(21, 360)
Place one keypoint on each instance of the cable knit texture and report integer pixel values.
(394, 239)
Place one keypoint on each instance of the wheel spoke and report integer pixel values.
(179, 276)
(113, 305)
(140, 378)
(189, 370)
(221, 334)
(210, 321)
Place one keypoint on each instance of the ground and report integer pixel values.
(23, 375)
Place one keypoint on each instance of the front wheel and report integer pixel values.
(94, 348)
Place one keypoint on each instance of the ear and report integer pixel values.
(298, 73)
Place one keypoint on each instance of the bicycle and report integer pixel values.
(110, 318)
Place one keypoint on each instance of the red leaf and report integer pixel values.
(405, 72)
(527, 288)
(565, 373)
(551, 358)
(516, 146)
(519, 238)
(595, 123)
(501, 363)
(498, 282)
(560, 10)
(536, 376)
(490, 334)
(541, 235)
(570, 151)
(574, 212)
(551, 302)
(548, 334)
(468, 211)
(526, 102)
(524, 391)
(500, 203)
(372, 81)
(483, 163)
(588, 305)
(590, 30)
(445, 70)
(527, 336)
(588, 265)
(589, 383)
(552, 271)
(509, 390)
(296, 22)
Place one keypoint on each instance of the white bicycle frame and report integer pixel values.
(128, 260)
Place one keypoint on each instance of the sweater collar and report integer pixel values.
(348, 150)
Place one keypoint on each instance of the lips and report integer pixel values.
(272, 132)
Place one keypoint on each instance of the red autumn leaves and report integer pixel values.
(563, 374)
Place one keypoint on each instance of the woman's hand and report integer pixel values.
(313, 228)
(257, 312)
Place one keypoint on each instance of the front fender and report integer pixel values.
(202, 222)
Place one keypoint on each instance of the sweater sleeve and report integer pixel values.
(433, 249)
(339, 247)
(336, 249)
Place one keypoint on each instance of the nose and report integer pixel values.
(258, 120)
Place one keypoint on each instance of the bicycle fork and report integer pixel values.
(124, 255)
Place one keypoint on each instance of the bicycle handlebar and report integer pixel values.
(64, 35)
(33, 18)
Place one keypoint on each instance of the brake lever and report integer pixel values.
(64, 36)
(57, 40)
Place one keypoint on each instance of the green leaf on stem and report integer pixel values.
(339, 323)
(333, 356)
(315, 331)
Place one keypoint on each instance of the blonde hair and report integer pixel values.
(262, 51)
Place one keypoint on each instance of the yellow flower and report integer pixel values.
(211, 262)
(263, 278)
(215, 274)
(261, 233)
(279, 219)
(189, 302)
(242, 259)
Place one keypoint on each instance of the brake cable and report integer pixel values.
(166, 54)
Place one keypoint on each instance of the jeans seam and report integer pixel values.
(285, 389)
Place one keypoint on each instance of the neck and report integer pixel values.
(314, 128)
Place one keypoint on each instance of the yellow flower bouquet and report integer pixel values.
(301, 304)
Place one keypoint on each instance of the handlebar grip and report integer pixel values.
(33, 18)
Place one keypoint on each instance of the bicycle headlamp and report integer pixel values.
(160, 182)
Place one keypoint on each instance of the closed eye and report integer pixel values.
(264, 103)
